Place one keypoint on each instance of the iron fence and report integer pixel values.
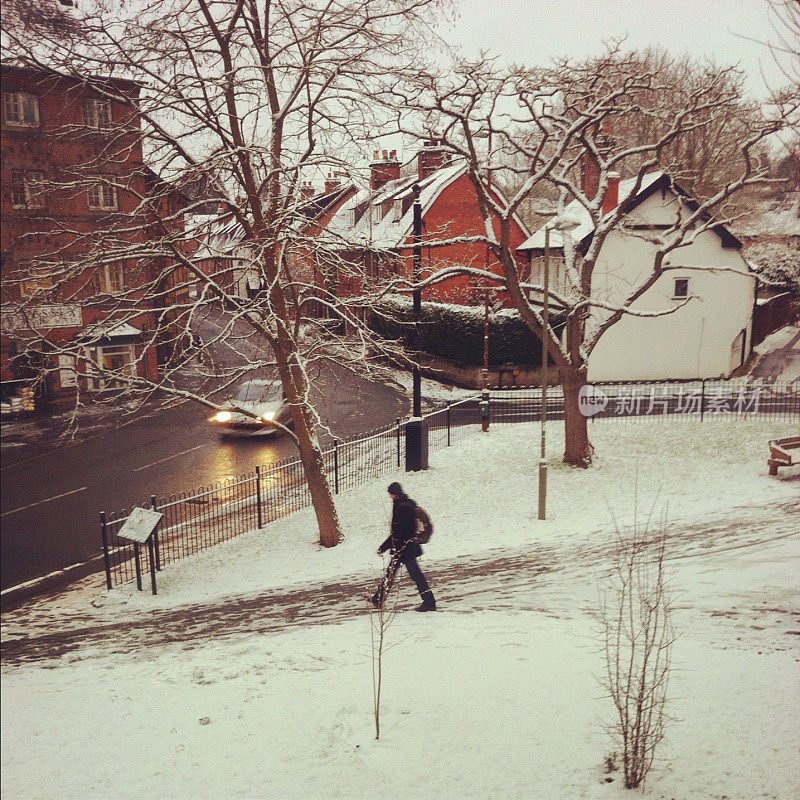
(646, 401)
(196, 520)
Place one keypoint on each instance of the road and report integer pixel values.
(52, 493)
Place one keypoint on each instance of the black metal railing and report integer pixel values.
(644, 401)
(196, 520)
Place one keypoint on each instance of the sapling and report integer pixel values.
(637, 636)
(380, 619)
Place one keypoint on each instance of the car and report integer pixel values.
(267, 408)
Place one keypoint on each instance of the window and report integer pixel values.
(110, 278)
(97, 113)
(681, 291)
(21, 108)
(26, 189)
(103, 196)
(119, 359)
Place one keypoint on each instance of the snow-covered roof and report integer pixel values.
(577, 211)
(109, 330)
(772, 217)
(391, 230)
(219, 236)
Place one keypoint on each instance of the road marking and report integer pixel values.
(39, 502)
(174, 455)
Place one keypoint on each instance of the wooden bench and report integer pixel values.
(781, 453)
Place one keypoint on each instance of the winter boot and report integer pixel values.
(428, 602)
(376, 599)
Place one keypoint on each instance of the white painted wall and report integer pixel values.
(693, 342)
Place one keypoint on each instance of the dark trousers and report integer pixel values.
(410, 563)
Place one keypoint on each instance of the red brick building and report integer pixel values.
(347, 236)
(73, 178)
(373, 227)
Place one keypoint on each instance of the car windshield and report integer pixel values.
(258, 392)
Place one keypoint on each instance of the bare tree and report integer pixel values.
(637, 639)
(380, 620)
(248, 99)
(520, 130)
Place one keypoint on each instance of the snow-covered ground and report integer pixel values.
(250, 674)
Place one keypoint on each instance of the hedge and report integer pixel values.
(456, 332)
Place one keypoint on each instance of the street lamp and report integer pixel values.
(559, 223)
(484, 404)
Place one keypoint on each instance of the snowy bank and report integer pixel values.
(497, 696)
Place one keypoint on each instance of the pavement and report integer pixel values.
(77, 627)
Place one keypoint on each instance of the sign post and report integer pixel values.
(140, 528)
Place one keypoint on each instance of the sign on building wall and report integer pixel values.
(41, 318)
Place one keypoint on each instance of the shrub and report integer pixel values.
(456, 332)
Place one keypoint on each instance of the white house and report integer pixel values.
(708, 281)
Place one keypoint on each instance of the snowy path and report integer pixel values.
(502, 579)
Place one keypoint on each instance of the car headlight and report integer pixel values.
(223, 416)
(268, 417)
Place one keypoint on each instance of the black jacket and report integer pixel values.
(404, 529)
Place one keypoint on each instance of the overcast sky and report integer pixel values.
(534, 31)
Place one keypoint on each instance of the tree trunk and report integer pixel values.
(314, 468)
(577, 448)
(294, 384)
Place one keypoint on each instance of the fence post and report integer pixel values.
(137, 559)
(258, 496)
(702, 399)
(448, 423)
(104, 534)
(336, 466)
(398, 442)
(152, 544)
(157, 547)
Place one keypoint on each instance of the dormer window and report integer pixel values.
(397, 210)
(21, 108)
(97, 113)
(357, 213)
(681, 289)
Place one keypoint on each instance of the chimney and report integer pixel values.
(384, 168)
(306, 190)
(611, 200)
(590, 169)
(590, 175)
(432, 156)
(333, 182)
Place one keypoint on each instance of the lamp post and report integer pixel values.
(417, 297)
(416, 427)
(485, 393)
(559, 223)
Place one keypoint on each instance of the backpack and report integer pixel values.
(424, 526)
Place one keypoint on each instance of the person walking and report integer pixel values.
(405, 549)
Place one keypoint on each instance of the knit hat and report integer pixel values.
(396, 489)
